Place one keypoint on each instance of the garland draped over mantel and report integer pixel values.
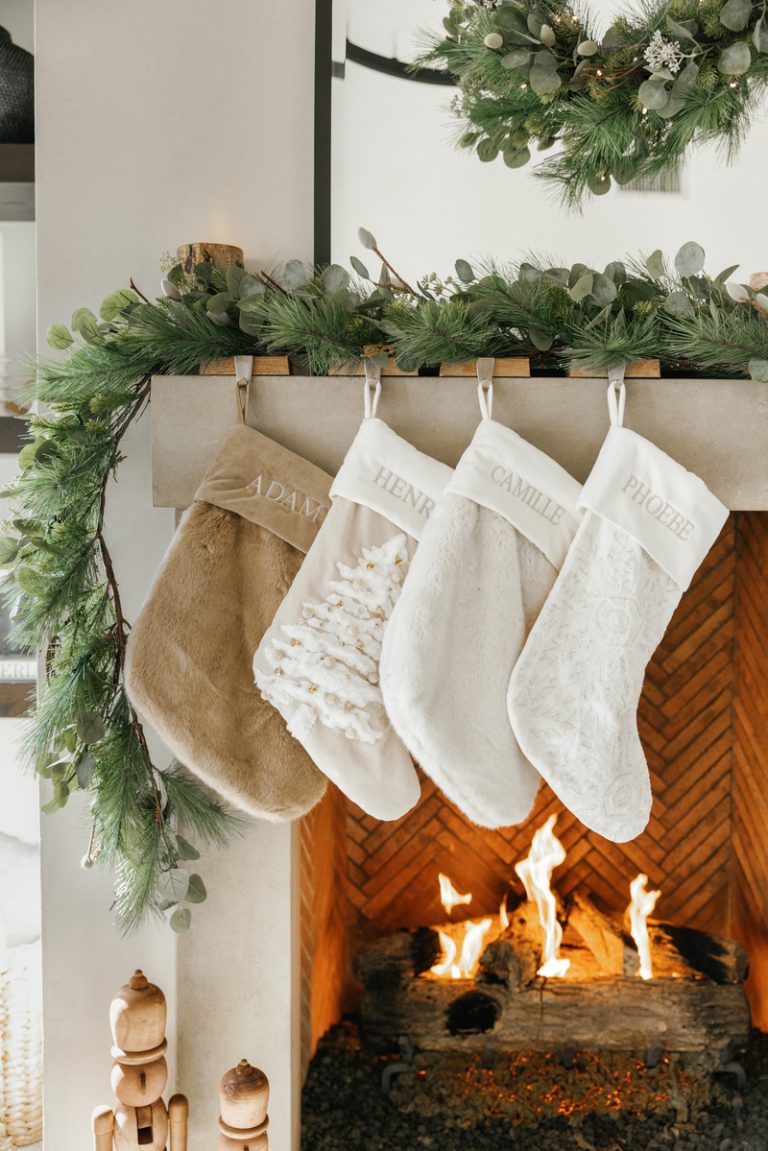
(623, 106)
(60, 578)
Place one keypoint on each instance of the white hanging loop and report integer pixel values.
(617, 395)
(371, 388)
(243, 373)
(485, 369)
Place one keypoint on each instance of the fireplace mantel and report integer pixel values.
(716, 428)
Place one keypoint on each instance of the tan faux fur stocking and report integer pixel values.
(231, 563)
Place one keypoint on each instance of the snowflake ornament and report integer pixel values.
(663, 53)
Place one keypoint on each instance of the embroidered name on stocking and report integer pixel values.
(290, 498)
(403, 490)
(538, 501)
(658, 508)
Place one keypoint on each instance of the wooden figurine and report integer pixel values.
(137, 1017)
(244, 1098)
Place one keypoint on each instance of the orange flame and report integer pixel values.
(503, 915)
(643, 903)
(471, 948)
(449, 896)
(546, 853)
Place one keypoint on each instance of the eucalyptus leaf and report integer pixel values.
(9, 550)
(196, 892)
(547, 36)
(678, 31)
(517, 58)
(221, 319)
(117, 302)
(534, 25)
(686, 80)
(251, 287)
(762, 301)
(334, 278)
(219, 303)
(31, 581)
(543, 77)
(180, 920)
(737, 292)
(185, 849)
(678, 304)
(690, 259)
(673, 105)
(59, 337)
(85, 768)
(734, 15)
(295, 274)
(735, 60)
(528, 274)
(654, 94)
(516, 157)
(760, 35)
(360, 268)
(654, 265)
(80, 317)
(603, 289)
(367, 239)
(234, 276)
(758, 370)
(587, 48)
(173, 884)
(582, 288)
(616, 272)
(251, 322)
(464, 271)
(90, 727)
(541, 340)
(487, 151)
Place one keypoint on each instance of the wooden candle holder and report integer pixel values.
(141, 1121)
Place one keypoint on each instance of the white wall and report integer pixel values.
(159, 124)
(18, 17)
(429, 203)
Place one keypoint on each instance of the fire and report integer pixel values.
(643, 903)
(471, 948)
(449, 896)
(547, 853)
(455, 964)
(503, 915)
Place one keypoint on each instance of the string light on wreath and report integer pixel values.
(624, 106)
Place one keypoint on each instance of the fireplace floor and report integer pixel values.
(532, 1103)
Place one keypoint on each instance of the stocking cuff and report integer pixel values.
(265, 483)
(503, 472)
(667, 509)
(385, 473)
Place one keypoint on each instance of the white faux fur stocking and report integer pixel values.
(573, 694)
(485, 564)
(318, 664)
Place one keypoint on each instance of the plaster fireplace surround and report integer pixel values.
(357, 883)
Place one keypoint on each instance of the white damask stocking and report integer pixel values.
(573, 695)
(318, 663)
(486, 561)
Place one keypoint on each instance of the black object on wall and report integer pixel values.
(17, 92)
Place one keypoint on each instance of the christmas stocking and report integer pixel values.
(573, 695)
(319, 661)
(485, 564)
(188, 670)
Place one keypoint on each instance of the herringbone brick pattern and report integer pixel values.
(750, 771)
(686, 725)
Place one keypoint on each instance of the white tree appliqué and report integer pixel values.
(329, 663)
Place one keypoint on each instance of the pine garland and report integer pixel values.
(60, 576)
(624, 107)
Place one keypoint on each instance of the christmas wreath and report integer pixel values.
(622, 106)
(59, 574)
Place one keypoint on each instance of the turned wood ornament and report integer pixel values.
(137, 1017)
(221, 255)
(244, 1099)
